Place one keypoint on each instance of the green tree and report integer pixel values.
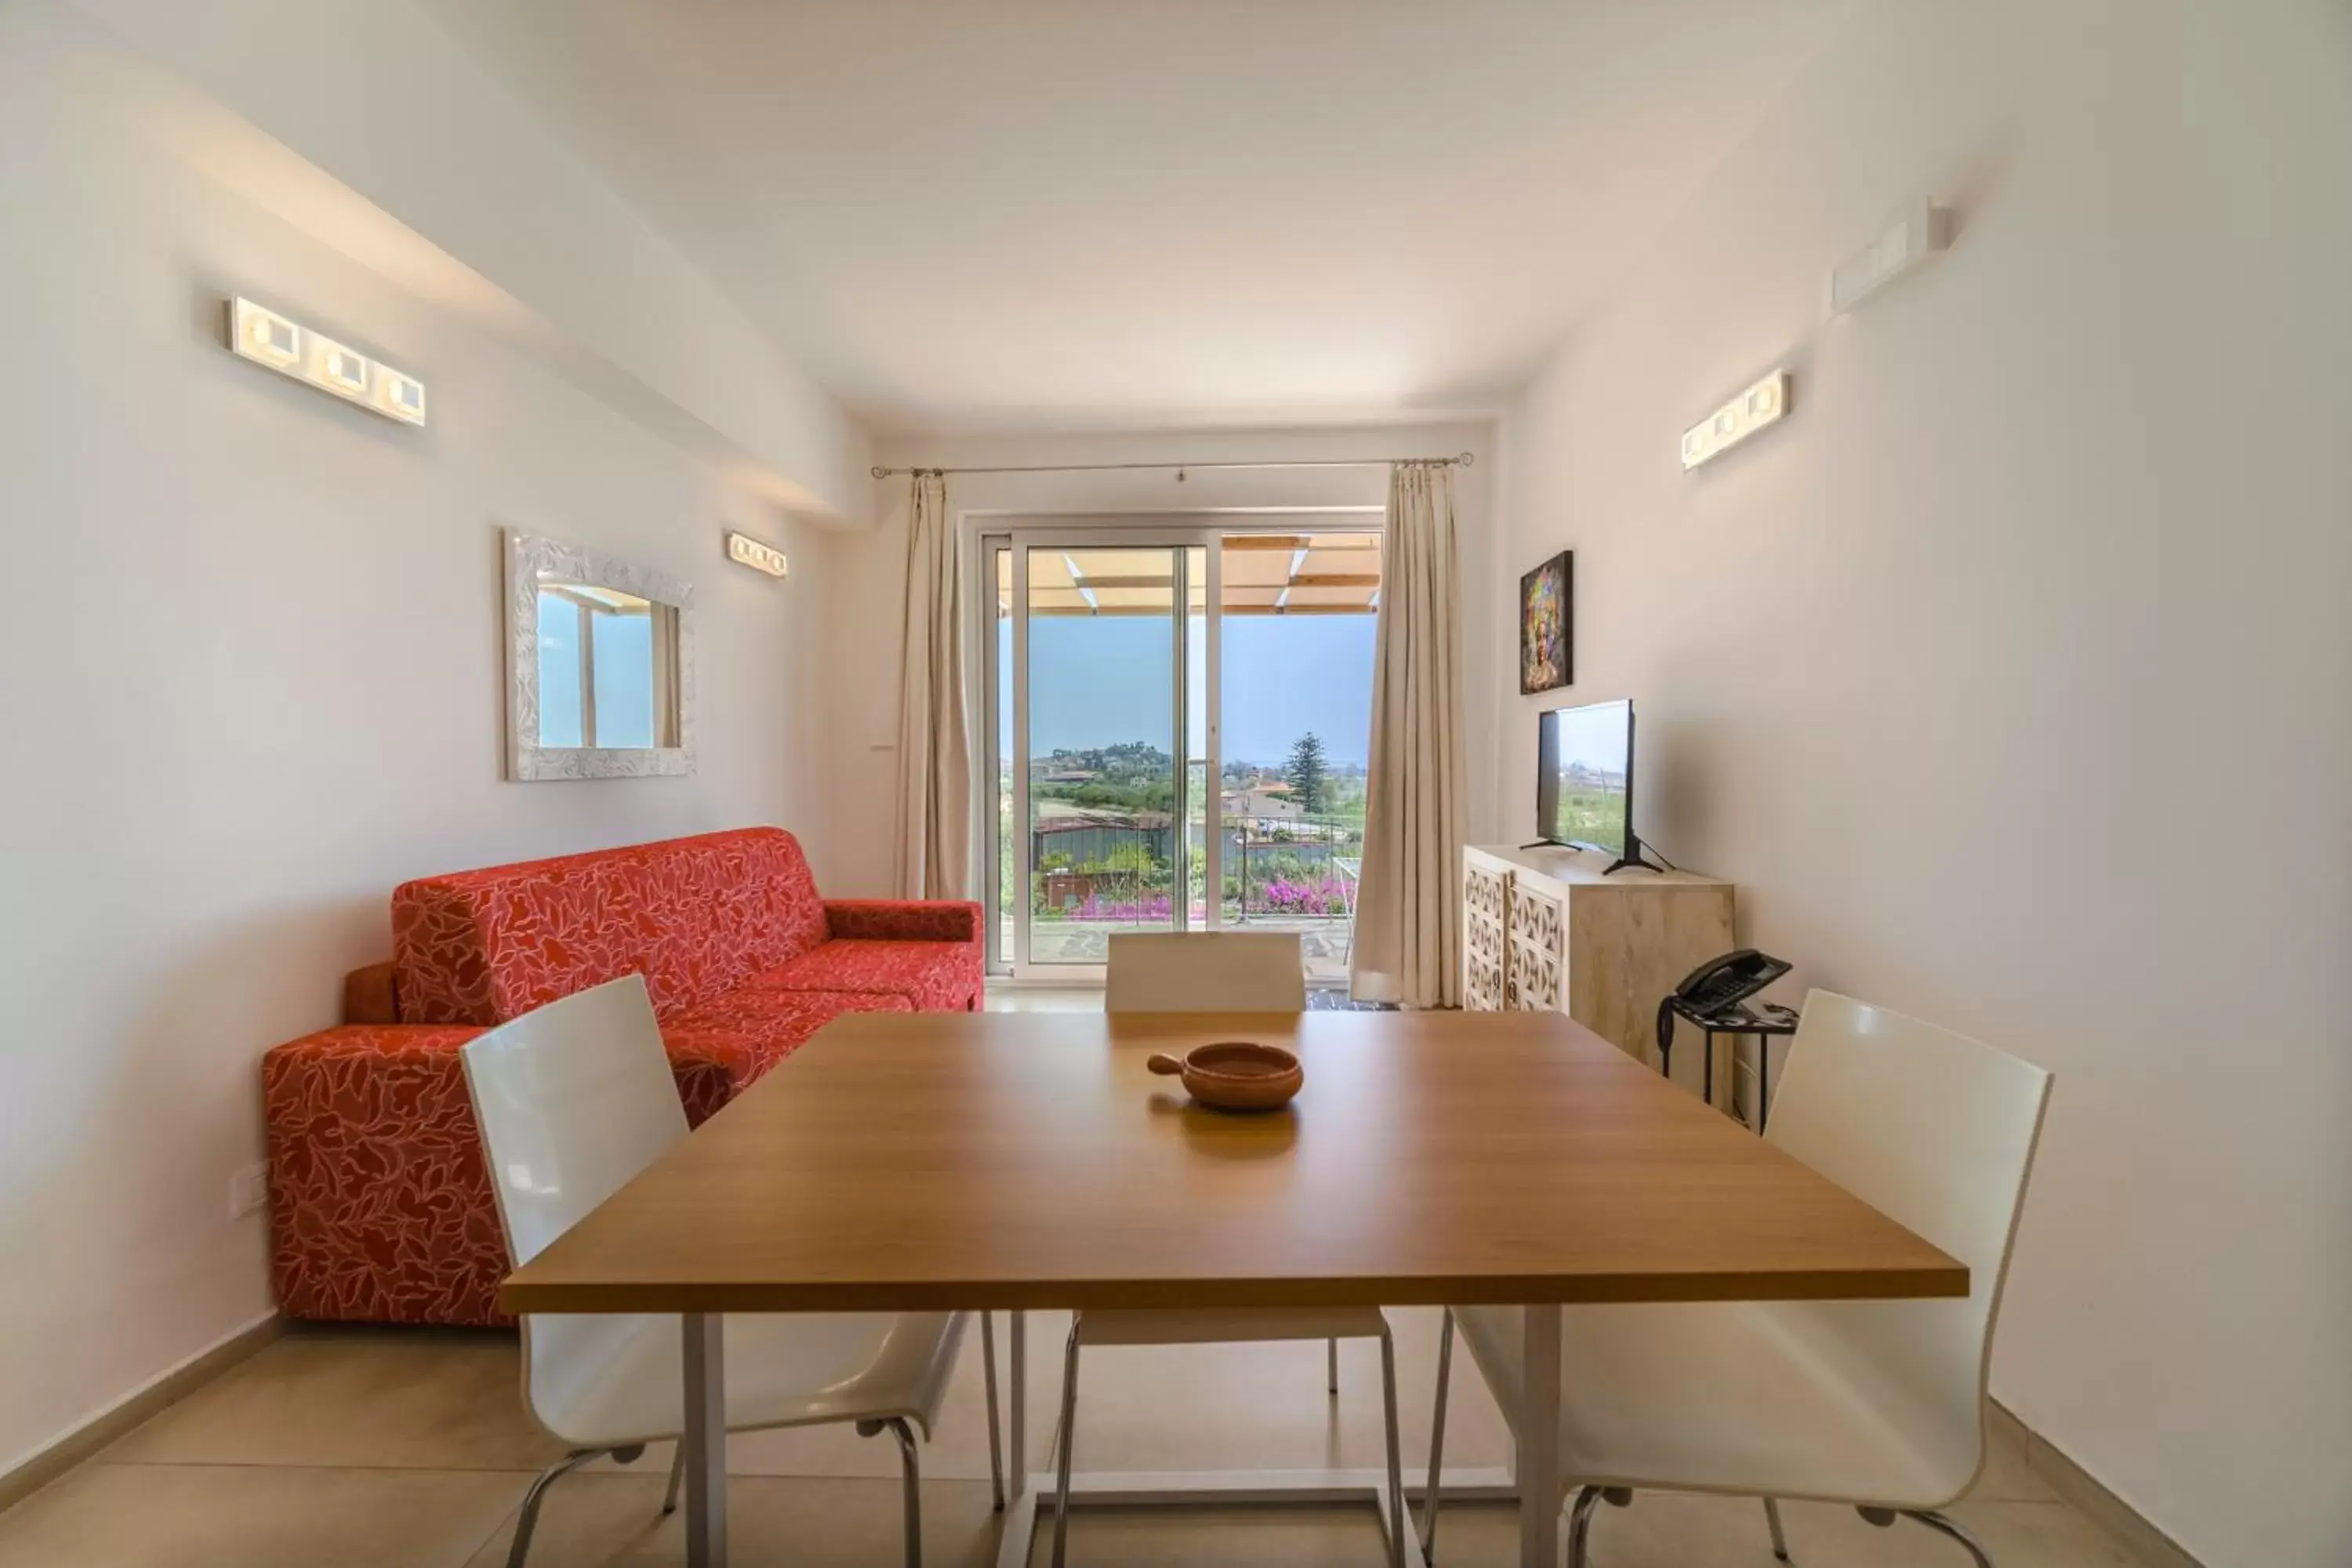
(1135, 858)
(1305, 775)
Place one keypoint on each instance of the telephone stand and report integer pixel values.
(1764, 1021)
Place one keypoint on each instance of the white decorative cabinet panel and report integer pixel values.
(1539, 940)
(1545, 930)
(1486, 901)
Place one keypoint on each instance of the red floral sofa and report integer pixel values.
(379, 1208)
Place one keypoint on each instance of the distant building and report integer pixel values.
(1084, 835)
(1260, 800)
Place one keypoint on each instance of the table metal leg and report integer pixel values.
(705, 1440)
(995, 1434)
(1763, 1081)
(1019, 1429)
(1539, 1435)
(1020, 1506)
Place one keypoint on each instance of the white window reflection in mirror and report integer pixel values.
(605, 671)
(600, 665)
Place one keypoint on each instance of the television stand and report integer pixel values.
(1581, 847)
(1545, 930)
(1641, 859)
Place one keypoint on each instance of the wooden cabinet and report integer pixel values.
(1544, 931)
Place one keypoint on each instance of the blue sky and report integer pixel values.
(1101, 680)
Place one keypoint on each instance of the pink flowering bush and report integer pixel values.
(1306, 895)
(1150, 910)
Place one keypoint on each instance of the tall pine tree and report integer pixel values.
(1304, 773)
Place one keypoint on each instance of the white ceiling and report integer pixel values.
(1045, 215)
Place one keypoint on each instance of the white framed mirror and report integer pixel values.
(600, 665)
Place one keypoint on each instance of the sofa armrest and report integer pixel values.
(371, 996)
(380, 1205)
(380, 1202)
(903, 920)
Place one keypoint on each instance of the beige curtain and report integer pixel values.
(934, 797)
(1409, 908)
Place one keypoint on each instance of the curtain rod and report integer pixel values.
(1462, 460)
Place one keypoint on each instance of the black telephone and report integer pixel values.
(1715, 997)
(1721, 982)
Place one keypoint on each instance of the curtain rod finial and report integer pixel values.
(878, 471)
(1468, 460)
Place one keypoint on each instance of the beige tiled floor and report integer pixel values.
(397, 1448)
(1004, 996)
(381, 1448)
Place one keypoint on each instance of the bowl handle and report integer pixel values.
(1165, 1065)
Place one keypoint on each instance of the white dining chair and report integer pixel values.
(1218, 971)
(1206, 971)
(573, 1100)
(1879, 1405)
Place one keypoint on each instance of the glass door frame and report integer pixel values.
(1178, 541)
(1178, 533)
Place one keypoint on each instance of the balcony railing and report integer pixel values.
(1301, 868)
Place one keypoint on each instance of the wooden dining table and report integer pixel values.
(1029, 1161)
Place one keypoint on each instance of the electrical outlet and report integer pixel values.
(248, 1189)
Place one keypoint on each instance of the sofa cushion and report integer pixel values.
(933, 976)
(717, 1048)
(693, 916)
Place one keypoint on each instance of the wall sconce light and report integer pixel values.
(1762, 403)
(746, 551)
(339, 370)
(1916, 233)
(399, 396)
(266, 338)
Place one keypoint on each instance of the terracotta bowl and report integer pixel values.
(1235, 1075)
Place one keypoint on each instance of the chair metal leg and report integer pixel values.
(1950, 1530)
(1579, 1524)
(1772, 1518)
(1065, 1440)
(1396, 1451)
(995, 1439)
(528, 1520)
(1331, 1363)
(911, 1481)
(677, 1478)
(1437, 1439)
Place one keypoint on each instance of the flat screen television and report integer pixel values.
(1584, 784)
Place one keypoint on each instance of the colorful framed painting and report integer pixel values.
(1547, 624)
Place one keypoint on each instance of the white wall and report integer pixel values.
(2008, 676)
(378, 95)
(868, 597)
(251, 655)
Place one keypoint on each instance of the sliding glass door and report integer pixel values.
(1296, 614)
(1111, 801)
(1099, 656)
